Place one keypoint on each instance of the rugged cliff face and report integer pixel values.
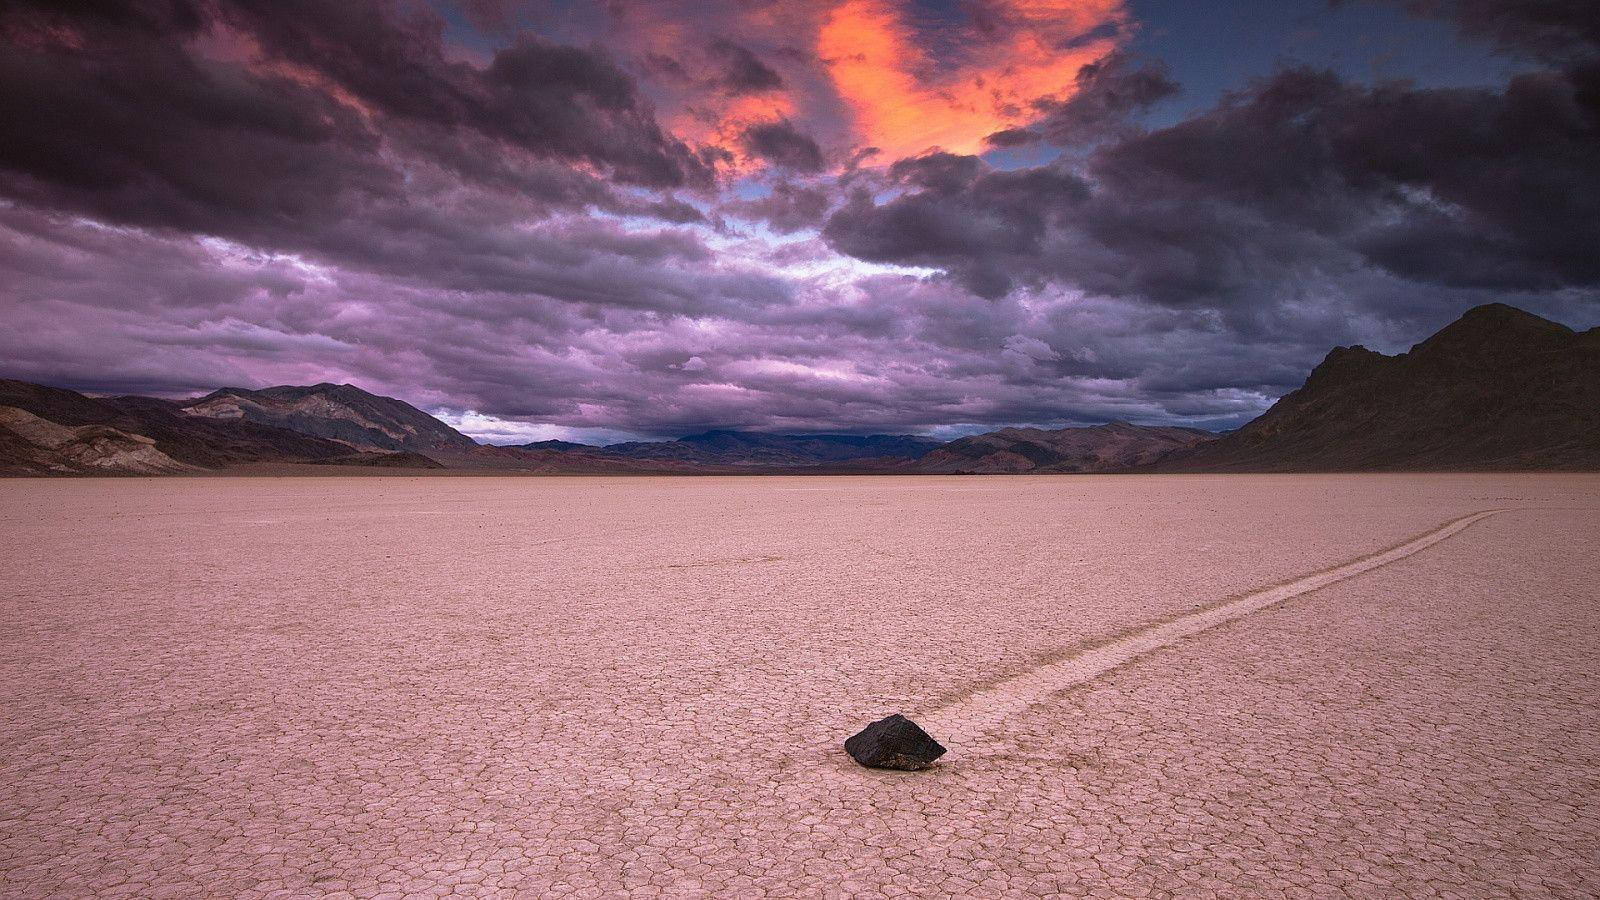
(1499, 388)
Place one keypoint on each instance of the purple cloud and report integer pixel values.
(514, 235)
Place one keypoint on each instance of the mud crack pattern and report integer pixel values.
(526, 687)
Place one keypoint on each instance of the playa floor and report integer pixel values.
(596, 686)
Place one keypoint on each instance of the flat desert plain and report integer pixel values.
(1149, 685)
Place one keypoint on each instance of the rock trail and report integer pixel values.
(965, 719)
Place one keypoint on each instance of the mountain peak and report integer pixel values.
(1343, 364)
(341, 412)
(1502, 313)
(327, 387)
(1496, 323)
(1499, 388)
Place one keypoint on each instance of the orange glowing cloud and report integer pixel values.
(904, 102)
(721, 121)
(852, 74)
(682, 50)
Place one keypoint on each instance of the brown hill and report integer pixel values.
(52, 431)
(1498, 389)
(338, 412)
(1116, 446)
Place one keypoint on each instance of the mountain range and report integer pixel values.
(1115, 446)
(1499, 388)
(51, 431)
(742, 448)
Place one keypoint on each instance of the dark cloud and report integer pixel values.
(244, 192)
(1107, 93)
(147, 135)
(788, 208)
(176, 315)
(490, 15)
(1562, 32)
(1013, 137)
(941, 173)
(127, 310)
(543, 98)
(669, 209)
(743, 72)
(781, 144)
(116, 113)
(984, 226)
(44, 21)
(112, 109)
(1302, 177)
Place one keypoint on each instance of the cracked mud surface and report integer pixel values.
(596, 686)
(971, 716)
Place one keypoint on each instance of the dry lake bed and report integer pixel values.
(1149, 685)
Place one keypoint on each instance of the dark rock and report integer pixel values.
(893, 743)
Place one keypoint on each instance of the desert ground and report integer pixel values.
(1149, 685)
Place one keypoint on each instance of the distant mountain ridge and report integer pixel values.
(556, 445)
(746, 448)
(339, 412)
(1099, 448)
(1498, 389)
(1113, 447)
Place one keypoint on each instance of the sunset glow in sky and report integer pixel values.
(904, 100)
(595, 221)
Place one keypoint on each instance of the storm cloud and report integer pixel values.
(744, 72)
(781, 144)
(842, 215)
(1300, 178)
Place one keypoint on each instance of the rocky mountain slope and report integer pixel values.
(51, 431)
(30, 445)
(1114, 447)
(1498, 389)
(339, 412)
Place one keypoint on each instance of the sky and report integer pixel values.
(601, 221)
